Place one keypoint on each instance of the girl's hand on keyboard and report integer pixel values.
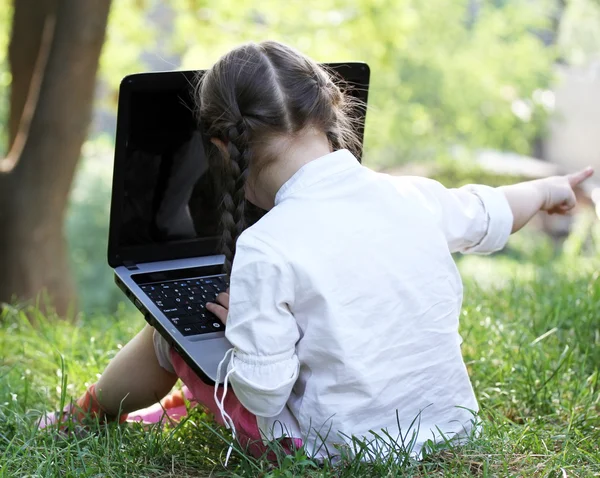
(221, 307)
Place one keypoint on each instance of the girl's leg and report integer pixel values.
(133, 379)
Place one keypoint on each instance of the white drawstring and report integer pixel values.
(227, 420)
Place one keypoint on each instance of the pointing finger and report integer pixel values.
(577, 178)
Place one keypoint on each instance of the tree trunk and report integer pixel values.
(34, 193)
(32, 29)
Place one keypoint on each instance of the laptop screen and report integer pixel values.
(163, 191)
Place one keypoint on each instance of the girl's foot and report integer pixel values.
(173, 407)
(53, 418)
(85, 411)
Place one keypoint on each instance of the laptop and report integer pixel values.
(164, 216)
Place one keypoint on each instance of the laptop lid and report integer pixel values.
(164, 204)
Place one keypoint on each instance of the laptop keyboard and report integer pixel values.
(184, 303)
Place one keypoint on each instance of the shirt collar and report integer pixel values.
(316, 171)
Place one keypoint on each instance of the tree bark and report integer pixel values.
(32, 29)
(34, 193)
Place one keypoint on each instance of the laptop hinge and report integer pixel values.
(131, 266)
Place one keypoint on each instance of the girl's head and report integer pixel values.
(253, 103)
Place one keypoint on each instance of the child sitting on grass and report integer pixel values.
(345, 300)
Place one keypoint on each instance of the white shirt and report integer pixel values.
(345, 302)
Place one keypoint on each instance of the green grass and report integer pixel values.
(531, 329)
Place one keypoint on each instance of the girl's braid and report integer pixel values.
(234, 182)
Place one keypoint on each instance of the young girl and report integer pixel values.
(345, 298)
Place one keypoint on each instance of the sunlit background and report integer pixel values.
(452, 82)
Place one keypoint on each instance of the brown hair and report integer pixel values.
(257, 92)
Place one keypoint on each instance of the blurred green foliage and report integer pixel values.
(129, 33)
(441, 75)
(579, 36)
(445, 73)
(87, 230)
(457, 173)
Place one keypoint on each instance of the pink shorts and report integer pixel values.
(247, 431)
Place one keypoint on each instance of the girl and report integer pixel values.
(345, 298)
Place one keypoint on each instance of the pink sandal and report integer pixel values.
(173, 408)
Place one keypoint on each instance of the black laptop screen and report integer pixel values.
(168, 193)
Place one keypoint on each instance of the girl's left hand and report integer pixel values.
(221, 306)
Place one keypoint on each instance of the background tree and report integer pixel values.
(54, 50)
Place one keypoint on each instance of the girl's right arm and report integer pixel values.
(260, 326)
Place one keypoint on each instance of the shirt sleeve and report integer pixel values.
(475, 219)
(264, 365)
